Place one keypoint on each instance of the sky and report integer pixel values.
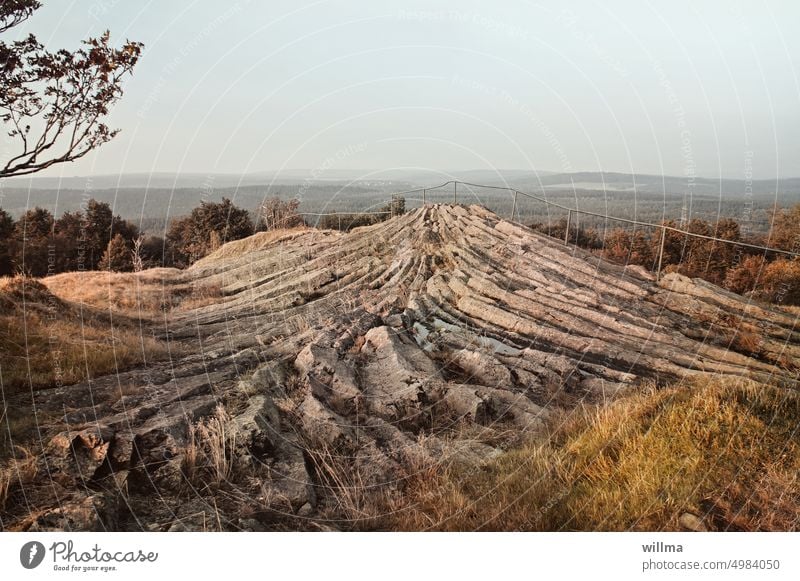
(678, 88)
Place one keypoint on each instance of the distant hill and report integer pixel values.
(397, 178)
(388, 178)
(152, 199)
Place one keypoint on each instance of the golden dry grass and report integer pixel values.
(727, 451)
(133, 294)
(201, 295)
(257, 241)
(47, 342)
(208, 457)
(16, 473)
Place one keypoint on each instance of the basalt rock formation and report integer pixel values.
(348, 360)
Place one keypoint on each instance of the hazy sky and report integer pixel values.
(674, 87)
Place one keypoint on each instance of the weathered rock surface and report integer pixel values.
(371, 351)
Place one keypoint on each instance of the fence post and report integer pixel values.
(661, 251)
(455, 192)
(514, 207)
(340, 221)
(423, 196)
(566, 231)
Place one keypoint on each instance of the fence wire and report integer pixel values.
(515, 193)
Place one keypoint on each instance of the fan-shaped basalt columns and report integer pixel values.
(378, 346)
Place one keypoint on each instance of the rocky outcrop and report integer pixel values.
(349, 359)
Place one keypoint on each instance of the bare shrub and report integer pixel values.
(275, 214)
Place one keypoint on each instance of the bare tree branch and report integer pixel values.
(60, 97)
(14, 12)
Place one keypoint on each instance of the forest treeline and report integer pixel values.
(768, 276)
(93, 238)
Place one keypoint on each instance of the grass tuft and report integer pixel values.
(209, 454)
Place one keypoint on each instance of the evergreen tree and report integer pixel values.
(100, 226)
(674, 245)
(117, 256)
(33, 240)
(6, 235)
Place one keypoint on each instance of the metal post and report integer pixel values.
(423, 196)
(455, 192)
(661, 251)
(566, 232)
(514, 207)
(340, 221)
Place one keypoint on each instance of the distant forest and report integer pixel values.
(767, 275)
(94, 238)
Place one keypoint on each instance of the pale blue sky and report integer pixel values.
(631, 86)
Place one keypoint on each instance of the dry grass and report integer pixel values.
(748, 339)
(47, 342)
(727, 451)
(257, 241)
(141, 294)
(66, 328)
(354, 494)
(208, 458)
(16, 473)
(345, 484)
(200, 296)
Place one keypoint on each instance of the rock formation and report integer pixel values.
(347, 360)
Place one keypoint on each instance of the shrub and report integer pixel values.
(275, 214)
(743, 278)
(781, 282)
(785, 231)
(628, 248)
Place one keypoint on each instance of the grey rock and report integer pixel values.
(691, 522)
